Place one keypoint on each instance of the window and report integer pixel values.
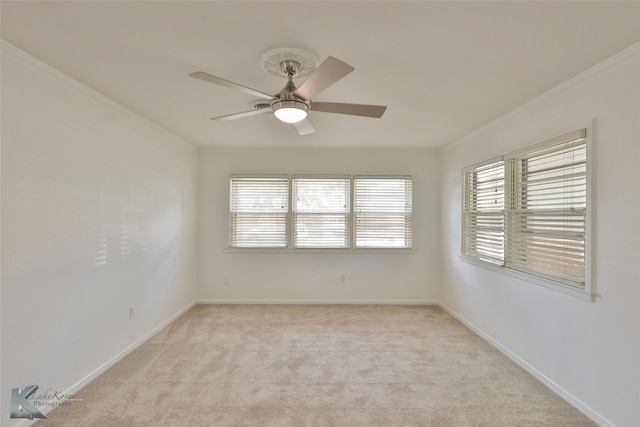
(316, 212)
(483, 212)
(547, 209)
(383, 209)
(321, 209)
(258, 212)
(528, 212)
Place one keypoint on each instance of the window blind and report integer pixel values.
(483, 212)
(547, 209)
(258, 211)
(321, 212)
(383, 212)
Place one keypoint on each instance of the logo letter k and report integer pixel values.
(21, 407)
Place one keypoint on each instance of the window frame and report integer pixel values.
(464, 217)
(406, 214)
(348, 220)
(587, 291)
(291, 248)
(529, 213)
(257, 213)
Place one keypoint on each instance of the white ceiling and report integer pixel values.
(443, 69)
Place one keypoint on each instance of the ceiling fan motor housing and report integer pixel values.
(288, 107)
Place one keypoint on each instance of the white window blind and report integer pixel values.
(321, 212)
(547, 209)
(258, 211)
(383, 212)
(483, 212)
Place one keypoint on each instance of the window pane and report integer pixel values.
(321, 208)
(258, 212)
(384, 212)
(483, 212)
(547, 231)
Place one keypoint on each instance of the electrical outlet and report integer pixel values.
(132, 312)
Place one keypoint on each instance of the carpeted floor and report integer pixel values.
(317, 365)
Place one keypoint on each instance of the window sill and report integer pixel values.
(536, 280)
(369, 251)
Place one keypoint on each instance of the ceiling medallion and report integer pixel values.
(272, 61)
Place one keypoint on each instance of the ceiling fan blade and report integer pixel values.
(304, 127)
(353, 109)
(227, 83)
(330, 71)
(243, 114)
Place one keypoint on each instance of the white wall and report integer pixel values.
(589, 352)
(98, 213)
(315, 277)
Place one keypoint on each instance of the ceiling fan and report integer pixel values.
(292, 104)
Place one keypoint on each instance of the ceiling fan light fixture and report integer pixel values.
(290, 111)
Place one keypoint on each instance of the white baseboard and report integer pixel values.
(115, 359)
(317, 302)
(577, 403)
(75, 388)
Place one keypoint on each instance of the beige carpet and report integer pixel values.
(324, 365)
